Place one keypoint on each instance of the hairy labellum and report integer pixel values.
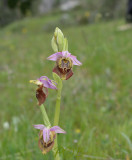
(47, 136)
(64, 63)
(46, 147)
(64, 68)
(43, 84)
(41, 94)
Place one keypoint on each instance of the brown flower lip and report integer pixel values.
(46, 147)
(47, 136)
(41, 94)
(63, 68)
(64, 63)
(43, 84)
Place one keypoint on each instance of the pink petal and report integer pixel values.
(57, 129)
(47, 82)
(75, 61)
(66, 54)
(39, 126)
(46, 134)
(54, 56)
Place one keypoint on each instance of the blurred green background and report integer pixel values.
(96, 102)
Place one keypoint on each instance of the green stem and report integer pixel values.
(56, 119)
(45, 116)
(57, 110)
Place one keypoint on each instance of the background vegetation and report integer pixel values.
(96, 102)
(18, 9)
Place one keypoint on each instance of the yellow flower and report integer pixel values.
(98, 17)
(24, 30)
(87, 14)
(127, 157)
(77, 130)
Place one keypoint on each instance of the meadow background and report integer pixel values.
(96, 102)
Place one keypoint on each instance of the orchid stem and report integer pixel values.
(56, 118)
(57, 110)
(45, 116)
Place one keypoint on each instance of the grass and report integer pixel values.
(96, 102)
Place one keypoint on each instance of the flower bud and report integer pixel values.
(58, 40)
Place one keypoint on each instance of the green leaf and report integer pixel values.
(60, 39)
(65, 46)
(54, 45)
(58, 81)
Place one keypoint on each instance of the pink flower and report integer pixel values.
(64, 63)
(42, 91)
(47, 83)
(47, 136)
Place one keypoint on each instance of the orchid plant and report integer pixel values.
(62, 71)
